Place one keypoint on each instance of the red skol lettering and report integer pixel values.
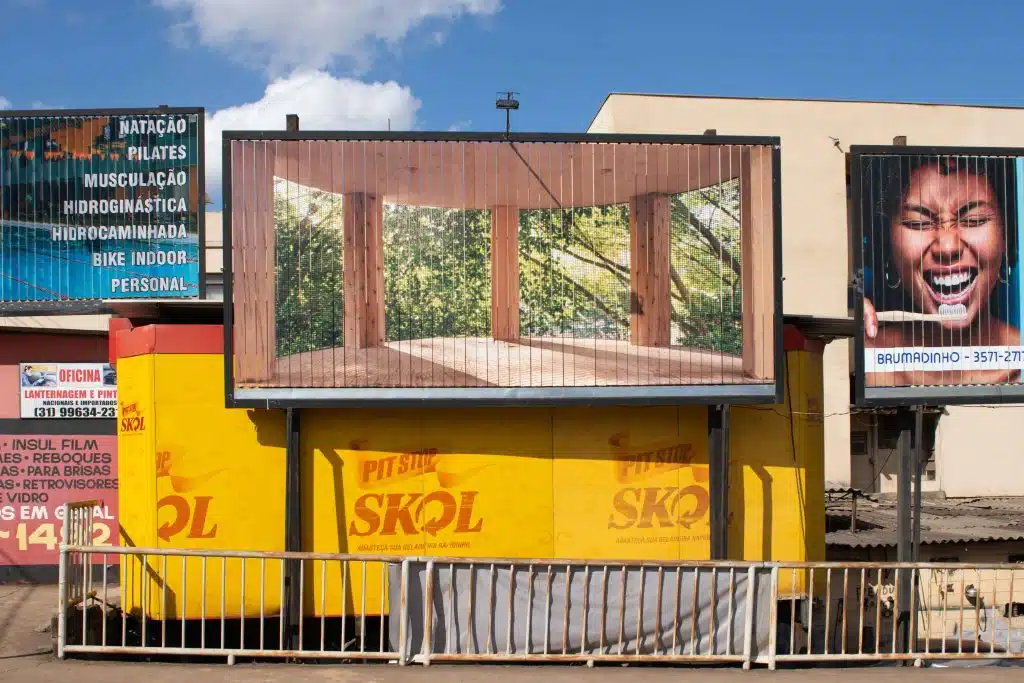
(133, 424)
(412, 513)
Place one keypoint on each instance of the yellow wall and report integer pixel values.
(566, 483)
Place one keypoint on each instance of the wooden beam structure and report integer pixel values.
(363, 263)
(505, 273)
(650, 308)
(478, 175)
(757, 262)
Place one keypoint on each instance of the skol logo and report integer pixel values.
(187, 512)
(132, 419)
(638, 507)
(389, 514)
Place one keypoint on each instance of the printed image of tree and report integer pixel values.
(707, 300)
(309, 302)
(574, 272)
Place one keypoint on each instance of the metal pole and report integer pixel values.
(718, 475)
(915, 549)
(915, 553)
(293, 524)
(293, 505)
(904, 527)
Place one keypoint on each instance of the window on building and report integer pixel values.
(858, 442)
(888, 433)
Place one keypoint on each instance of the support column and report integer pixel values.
(718, 479)
(650, 308)
(505, 273)
(756, 262)
(292, 525)
(905, 535)
(363, 263)
(915, 533)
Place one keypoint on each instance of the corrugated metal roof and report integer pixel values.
(953, 520)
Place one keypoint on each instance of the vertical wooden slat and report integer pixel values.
(757, 265)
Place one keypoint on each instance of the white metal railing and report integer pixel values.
(901, 611)
(370, 607)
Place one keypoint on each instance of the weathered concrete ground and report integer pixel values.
(25, 645)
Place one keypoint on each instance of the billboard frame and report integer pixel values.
(75, 306)
(896, 397)
(266, 398)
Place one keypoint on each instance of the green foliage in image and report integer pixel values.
(707, 301)
(437, 272)
(309, 308)
(574, 271)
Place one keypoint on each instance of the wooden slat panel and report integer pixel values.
(253, 249)
(756, 229)
(407, 171)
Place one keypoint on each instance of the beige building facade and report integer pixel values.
(976, 449)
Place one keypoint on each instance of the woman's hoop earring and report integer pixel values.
(1005, 272)
(888, 279)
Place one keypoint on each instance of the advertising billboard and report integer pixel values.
(485, 269)
(101, 204)
(41, 472)
(937, 264)
(68, 390)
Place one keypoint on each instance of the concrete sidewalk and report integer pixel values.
(48, 669)
(25, 612)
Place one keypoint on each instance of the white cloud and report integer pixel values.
(322, 102)
(460, 125)
(4, 103)
(282, 36)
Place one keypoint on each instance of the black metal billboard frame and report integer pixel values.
(75, 306)
(908, 397)
(710, 395)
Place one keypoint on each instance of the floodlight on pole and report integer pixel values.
(508, 102)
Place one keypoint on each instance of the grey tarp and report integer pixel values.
(537, 615)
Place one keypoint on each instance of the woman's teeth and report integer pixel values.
(952, 279)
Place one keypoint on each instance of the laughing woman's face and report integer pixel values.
(947, 243)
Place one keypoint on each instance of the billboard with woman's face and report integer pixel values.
(938, 274)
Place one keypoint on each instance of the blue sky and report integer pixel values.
(436, 64)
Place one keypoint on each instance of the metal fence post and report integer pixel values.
(773, 619)
(62, 585)
(428, 614)
(748, 626)
(403, 614)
